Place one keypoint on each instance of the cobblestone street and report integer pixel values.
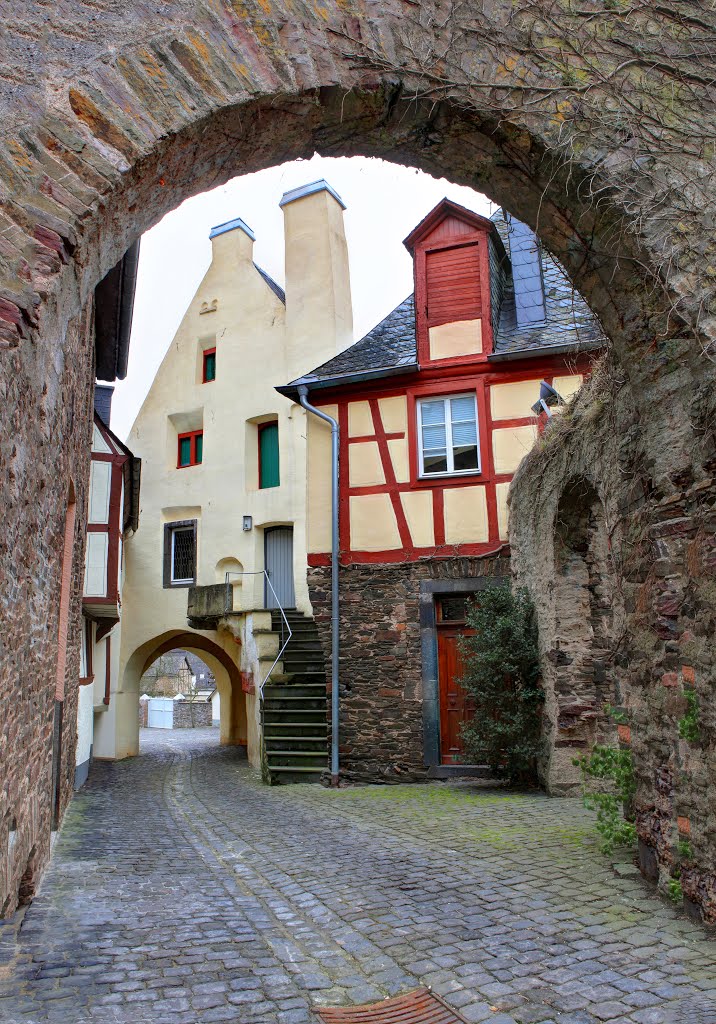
(182, 890)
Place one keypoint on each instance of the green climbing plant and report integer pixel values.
(689, 723)
(614, 806)
(501, 675)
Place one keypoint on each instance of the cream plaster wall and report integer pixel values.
(510, 445)
(514, 401)
(568, 386)
(501, 492)
(319, 481)
(373, 523)
(394, 414)
(466, 515)
(256, 349)
(360, 419)
(418, 508)
(460, 338)
(364, 466)
(398, 449)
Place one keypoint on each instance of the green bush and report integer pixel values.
(689, 724)
(614, 809)
(501, 675)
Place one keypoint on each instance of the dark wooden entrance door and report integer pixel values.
(455, 706)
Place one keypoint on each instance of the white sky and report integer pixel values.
(384, 203)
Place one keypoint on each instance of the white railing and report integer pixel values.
(229, 607)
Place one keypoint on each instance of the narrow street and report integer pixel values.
(182, 891)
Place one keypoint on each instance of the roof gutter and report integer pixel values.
(547, 350)
(335, 631)
(114, 305)
(319, 384)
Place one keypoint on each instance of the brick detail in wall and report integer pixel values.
(381, 669)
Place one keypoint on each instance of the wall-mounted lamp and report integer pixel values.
(248, 523)
(547, 398)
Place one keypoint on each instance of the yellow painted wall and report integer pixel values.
(501, 492)
(394, 414)
(373, 523)
(365, 468)
(466, 515)
(568, 386)
(319, 481)
(510, 445)
(360, 420)
(514, 401)
(398, 449)
(460, 338)
(418, 508)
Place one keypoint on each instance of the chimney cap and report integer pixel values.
(308, 190)
(229, 225)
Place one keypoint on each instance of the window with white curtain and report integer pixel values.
(447, 436)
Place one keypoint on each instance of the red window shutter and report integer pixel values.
(453, 284)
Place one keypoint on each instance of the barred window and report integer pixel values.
(180, 553)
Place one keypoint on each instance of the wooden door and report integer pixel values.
(278, 555)
(455, 706)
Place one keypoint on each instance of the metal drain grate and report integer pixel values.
(418, 1007)
(696, 1010)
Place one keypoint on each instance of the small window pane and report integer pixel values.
(462, 408)
(210, 366)
(433, 412)
(199, 447)
(182, 555)
(435, 461)
(185, 451)
(465, 458)
(434, 437)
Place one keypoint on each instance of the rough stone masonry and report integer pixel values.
(592, 123)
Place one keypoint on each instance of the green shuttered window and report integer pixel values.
(268, 455)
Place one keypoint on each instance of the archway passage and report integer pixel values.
(124, 723)
(593, 125)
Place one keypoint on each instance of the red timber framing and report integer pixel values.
(434, 380)
(114, 527)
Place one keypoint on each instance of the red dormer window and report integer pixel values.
(450, 249)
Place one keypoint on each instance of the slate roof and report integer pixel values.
(275, 288)
(554, 315)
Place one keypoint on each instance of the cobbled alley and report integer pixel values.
(183, 891)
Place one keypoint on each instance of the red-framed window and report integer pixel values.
(208, 364)
(190, 449)
(448, 436)
(461, 468)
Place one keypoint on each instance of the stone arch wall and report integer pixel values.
(597, 138)
(581, 678)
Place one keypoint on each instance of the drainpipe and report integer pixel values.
(335, 640)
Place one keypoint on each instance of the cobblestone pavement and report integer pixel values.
(182, 891)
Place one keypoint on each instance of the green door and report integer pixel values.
(268, 455)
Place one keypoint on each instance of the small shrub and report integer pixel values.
(501, 675)
(614, 809)
(684, 850)
(676, 892)
(689, 724)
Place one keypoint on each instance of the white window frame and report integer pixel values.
(174, 532)
(450, 472)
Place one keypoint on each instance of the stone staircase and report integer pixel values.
(293, 712)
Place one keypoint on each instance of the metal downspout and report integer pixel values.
(335, 638)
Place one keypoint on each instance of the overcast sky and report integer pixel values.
(384, 202)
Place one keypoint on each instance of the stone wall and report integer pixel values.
(381, 663)
(191, 714)
(51, 429)
(615, 534)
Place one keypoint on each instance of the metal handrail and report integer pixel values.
(228, 606)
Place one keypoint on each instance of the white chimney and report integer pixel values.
(232, 242)
(319, 314)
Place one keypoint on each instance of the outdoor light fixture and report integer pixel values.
(248, 523)
(547, 397)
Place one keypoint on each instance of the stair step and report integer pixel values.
(295, 768)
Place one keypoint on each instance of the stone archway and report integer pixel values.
(597, 138)
(123, 729)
